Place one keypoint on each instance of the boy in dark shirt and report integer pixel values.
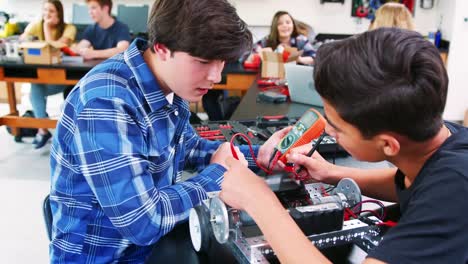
(107, 36)
(384, 93)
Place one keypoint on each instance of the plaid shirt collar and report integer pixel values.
(145, 78)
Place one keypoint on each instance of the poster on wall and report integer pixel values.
(367, 8)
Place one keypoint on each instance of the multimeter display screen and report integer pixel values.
(304, 123)
(309, 118)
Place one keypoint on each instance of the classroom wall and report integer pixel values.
(457, 65)
(324, 18)
(29, 10)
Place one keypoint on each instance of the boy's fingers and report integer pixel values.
(297, 158)
(230, 161)
(285, 131)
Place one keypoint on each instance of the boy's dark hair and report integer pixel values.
(384, 80)
(103, 3)
(209, 29)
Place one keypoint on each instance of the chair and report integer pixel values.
(47, 213)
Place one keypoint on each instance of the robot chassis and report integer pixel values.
(231, 226)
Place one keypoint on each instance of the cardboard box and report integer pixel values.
(273, 62)
(41, 52)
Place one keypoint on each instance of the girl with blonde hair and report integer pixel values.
(393, 15)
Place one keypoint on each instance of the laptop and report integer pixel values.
(301, 84)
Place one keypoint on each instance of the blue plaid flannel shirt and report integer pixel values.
(116, 163)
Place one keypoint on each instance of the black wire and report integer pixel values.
(275, 151)
(311, 152)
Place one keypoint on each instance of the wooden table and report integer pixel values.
(234, 77)
(11, 72)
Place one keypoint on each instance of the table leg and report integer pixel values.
(12, 103)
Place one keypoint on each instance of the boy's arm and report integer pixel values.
(113, 157)
(242, 189)
(83, 44)
(89, 54)
(198, 151)
(285, 237)
(375, 183)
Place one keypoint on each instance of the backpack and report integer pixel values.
(24, 132)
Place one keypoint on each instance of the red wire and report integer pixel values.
(349, 212)
(384, 210)
(370, 211)
(252, 153)
(273, 163)
(388, 223)
(324, 192)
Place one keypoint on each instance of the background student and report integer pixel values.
(50, 28)
(107, 36)
(284, 32)
(392, 15)
(384, 93)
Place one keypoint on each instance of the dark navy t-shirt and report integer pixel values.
(433, 227)
(106, 38)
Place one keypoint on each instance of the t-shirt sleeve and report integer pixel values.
(69, 32)
(34, 29)
(123, 33)
(433, 229)
(88, 34)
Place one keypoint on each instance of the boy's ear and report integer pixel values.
(105, 9)
(161, 51)
(389, 144)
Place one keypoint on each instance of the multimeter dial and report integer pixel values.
(287, 141)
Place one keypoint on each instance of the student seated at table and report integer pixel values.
(384, 94)
(392, 15)
(284, 33)
(106, 37)
(50, 28)
(124, 137)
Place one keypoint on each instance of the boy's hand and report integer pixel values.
(87, 53)
(315, 167)
(266, 150)
(240, 185)
(223, 152)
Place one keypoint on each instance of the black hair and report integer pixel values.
(384, 80)
(209, 29)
